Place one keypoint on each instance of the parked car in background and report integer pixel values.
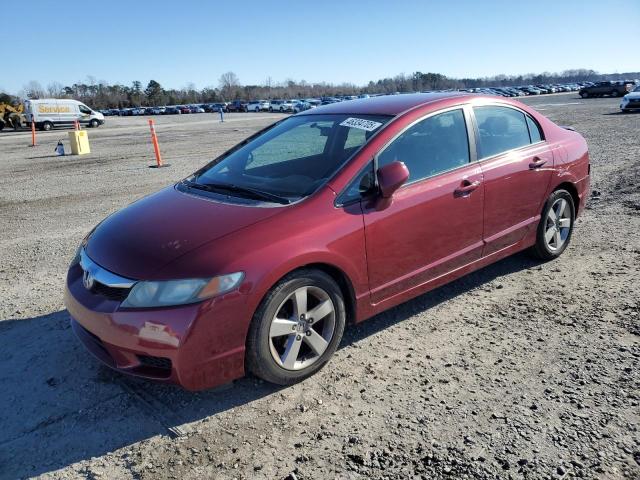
(531, 90)
(196, 109)
(612, 89)
(184, 109)
(258, 106)
(631, 101)
(277, 105)
(236, 106)
(290, 235)
(172, 111)
(216, 107)
(300, 106)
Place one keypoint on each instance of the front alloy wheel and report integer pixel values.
(296, 328)
(302, 328)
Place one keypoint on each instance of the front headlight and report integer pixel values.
(180, 292)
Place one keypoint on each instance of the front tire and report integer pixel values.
(555, 227)
(46, 126)
(94, 123)
(615, 93)
(297, 328)
(584, 95)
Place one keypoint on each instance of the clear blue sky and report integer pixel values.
(182, 42)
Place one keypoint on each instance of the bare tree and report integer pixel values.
(229, 83)
(55, 90)
(33, 89)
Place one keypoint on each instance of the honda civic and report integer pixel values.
(257, 261)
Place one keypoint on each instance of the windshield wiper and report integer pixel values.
(229, 187)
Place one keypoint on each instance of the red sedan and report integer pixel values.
(257, 261)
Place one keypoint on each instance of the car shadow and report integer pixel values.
(631, 112)
(60, 406)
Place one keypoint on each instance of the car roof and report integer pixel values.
(385, 104)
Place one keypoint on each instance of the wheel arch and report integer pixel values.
(343, 281)
(571, 188)
(336, 273)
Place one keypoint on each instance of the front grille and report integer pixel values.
(155, 362)
(112, 293)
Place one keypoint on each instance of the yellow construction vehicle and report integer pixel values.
(11, 116)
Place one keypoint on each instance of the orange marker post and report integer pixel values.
(156, 147)
(33, 131)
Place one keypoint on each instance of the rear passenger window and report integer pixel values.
(534, 130)
(501, 129)
(431, 146)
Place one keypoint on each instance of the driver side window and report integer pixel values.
(84, 109)
(434, 145)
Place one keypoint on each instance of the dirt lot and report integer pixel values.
(521, 370)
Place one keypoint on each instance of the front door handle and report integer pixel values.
(466, 187)
(537, 163)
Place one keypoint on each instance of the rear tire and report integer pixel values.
(615, 93)
(584, 95)
(283, 356)
(555, 227)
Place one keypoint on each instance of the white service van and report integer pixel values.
(51, 112)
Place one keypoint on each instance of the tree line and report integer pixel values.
(100, 94)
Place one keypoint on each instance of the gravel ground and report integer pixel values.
(520, 370)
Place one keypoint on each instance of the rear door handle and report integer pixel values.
(466, 188)
(537, 163)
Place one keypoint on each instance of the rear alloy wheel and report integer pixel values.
(556, 226)
(297, 328)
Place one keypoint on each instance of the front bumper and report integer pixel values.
(630, 104)
(196, 346)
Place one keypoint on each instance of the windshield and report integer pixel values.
(637, 89)
(292, 159)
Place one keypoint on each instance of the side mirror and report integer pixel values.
(391, 177)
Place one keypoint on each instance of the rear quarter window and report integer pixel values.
(534, 130)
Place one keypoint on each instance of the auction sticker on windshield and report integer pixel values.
(361, 123)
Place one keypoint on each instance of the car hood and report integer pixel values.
(631, 95)
(137, 241)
